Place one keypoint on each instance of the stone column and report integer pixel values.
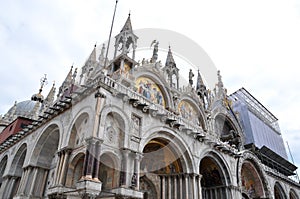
(62, 178)
(163, 187)
(124, 181)
(137, 161)
(97, 160)
(35, 171)
(186, 181)
(193, 179)
(58, 167)
(89, 158)
(199, 187)
(23, 181)
(180, 187)
(9, 187)
(169, 187)
(175, 187)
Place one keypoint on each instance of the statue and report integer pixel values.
(155, 50)
(233, 139)
(191, 75)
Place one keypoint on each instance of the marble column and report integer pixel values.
(58, 167)
(124, 180)
(180, 187)
(175, 187)
(23, 181)
(163, 187)
(35, 171)
(199, 186)
(97, 160)
(62, 178)
(137, 161)
(186, 181)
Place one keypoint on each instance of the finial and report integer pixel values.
(39, 97)
(129, 13)
(95, 45)
(43, 82)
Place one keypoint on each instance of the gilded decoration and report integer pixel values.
(188, 112)
(150, 90)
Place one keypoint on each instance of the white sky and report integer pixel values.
(255, 44)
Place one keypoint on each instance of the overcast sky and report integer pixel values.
(255, 44)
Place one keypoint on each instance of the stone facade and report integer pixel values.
(128, 130)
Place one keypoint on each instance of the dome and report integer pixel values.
(23, 108)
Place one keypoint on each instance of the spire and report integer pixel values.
(93, 57)
(66, 84)
(51, 94)
(102, 55)
(127, 26)
(170, 60)
(11, 115)
(199, 81)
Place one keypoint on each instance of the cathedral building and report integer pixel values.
(118, 128)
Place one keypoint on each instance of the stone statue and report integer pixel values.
(155, 51)
(191, 75)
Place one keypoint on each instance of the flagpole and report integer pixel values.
(111, 27)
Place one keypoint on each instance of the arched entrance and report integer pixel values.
(279, 192)
(15, 173)
(251, 181)
(214, 179)
(108, 172)
(41, 175)
(75, 170)
(162, 171)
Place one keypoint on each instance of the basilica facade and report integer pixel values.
(118, 128)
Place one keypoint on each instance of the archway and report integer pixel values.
(251, 181)
(215, 178)
(279, 192)
(75, 170)
(78, 130)
(114, 129)
(3, 164)
(165, 173)
(293, 194)
(108, 171)
(227, 131)
(15, 173)
(44, 153)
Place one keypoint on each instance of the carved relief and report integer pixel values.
(135, 125)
